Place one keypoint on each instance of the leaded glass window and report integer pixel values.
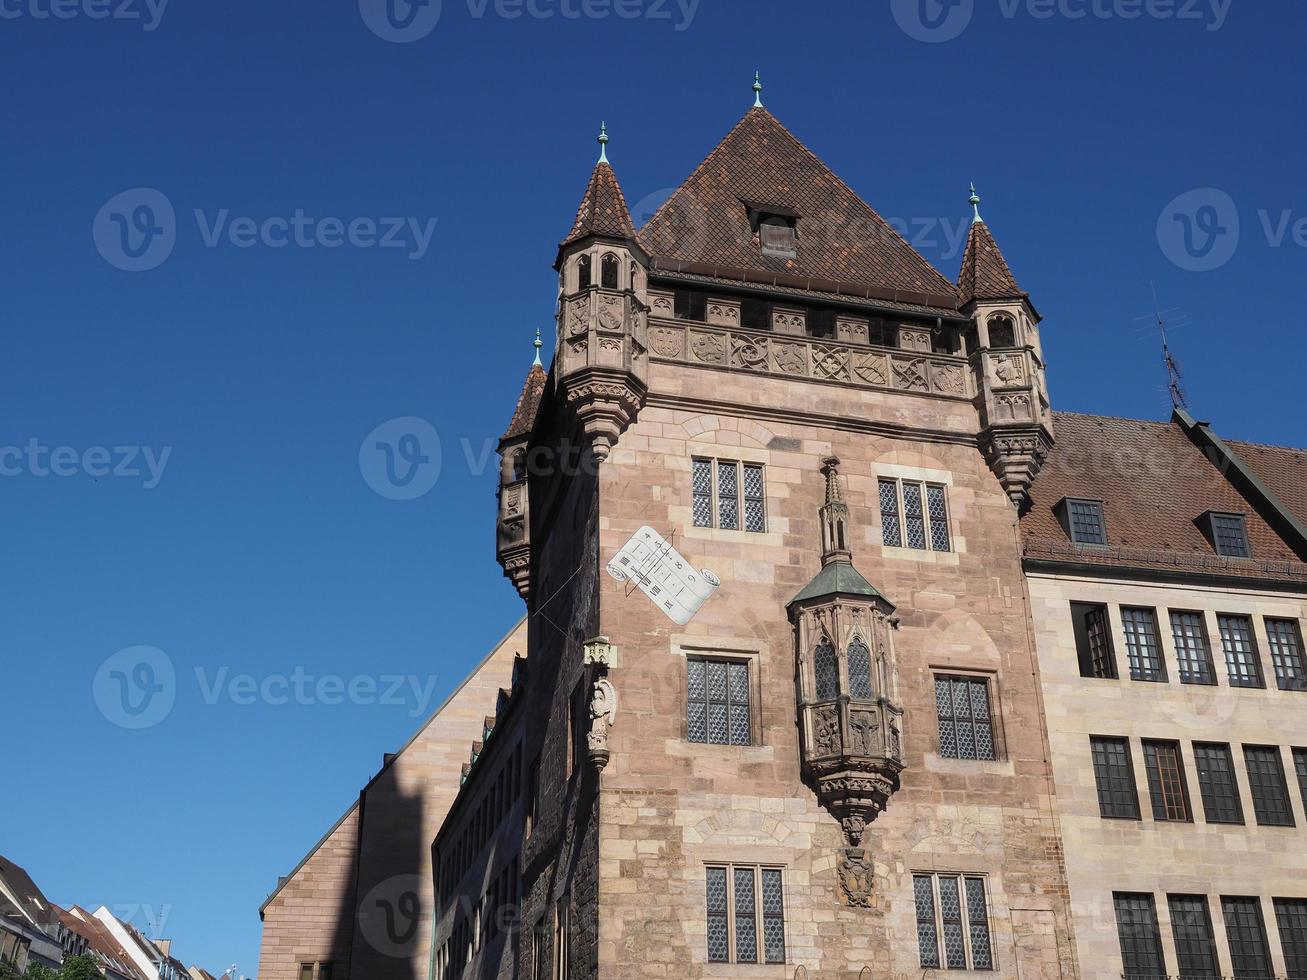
(965, 726)
(1300, 766)
(718, 925)
(1192, 650)
(827, 671)
(1166, 788)
(746, 904)
(701, 482)
(1291, 917)
(1250, 953)
(1230, 535)
(1216, 783)
(937, 508)
(728, 495)
(1269, 790)
(859, 669)
(1141, 942)
(773, 916)
(889, 513)
(718, 701)
(914, 515)
(1195, 945)
(754, 507)
(1241, 660)
(1114, 777)
(952, 921)
(1086, 520)
(746, 917)
(914, 525)
(726, 491)
(1286, 654)
(1143, 650)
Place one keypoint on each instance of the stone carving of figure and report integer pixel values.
(866, 740)
(603, 712)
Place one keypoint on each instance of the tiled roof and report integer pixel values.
(32, 902)
(1155, 483)
(760, 164)
(1283, 470)
(985, 273)
(603, 209)
(528, 403)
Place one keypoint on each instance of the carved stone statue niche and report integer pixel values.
(850, 717)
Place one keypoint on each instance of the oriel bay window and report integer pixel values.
(746, 914)
(728, 494)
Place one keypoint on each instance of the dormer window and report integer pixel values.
(1228, 534)
(779, 236)
(1083, 520)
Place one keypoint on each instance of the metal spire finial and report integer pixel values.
(603, 142)
(974, 201)
(757, 90)
(538, 345)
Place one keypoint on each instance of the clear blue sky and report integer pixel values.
(262, 549)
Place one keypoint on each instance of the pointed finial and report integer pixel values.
(603, 143)
(757, 90)
(538, 345)
(830, 466)
(974, 201)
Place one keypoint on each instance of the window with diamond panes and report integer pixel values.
(1216, 783)
(1141, 942)
(966, 729)
(1086, 520)
(1269, 790)
(1300, 766)
(1192, 651)
(718, 701)
(746, 915)
(952, 922)
(1230, 535)
(1143, 649)
(1166, 788)
(859, 669)
(728, 494)
(1093, 640)
(1291, 919)
(1195, 945)
(1250, 953)
(914, 515)
(1114, 777)
(1286, 654)
(826, 670)
(1242, 664)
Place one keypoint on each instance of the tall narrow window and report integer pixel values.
(728, 495)
(1300, 766)
(1216, 783)
(1286, 654)
(1230, 535)
(746, 917)
(914, 522)
(1093, 640)
(1266, 780)
(583, 272)
(721, 489)
(773, 916)
(1085, 521)
(701, 486)
(1114, 777)
(608, 271)
(719, 950)
(952, 921)
(1001, 331)
(859, 662)
(1141, 942)
(737, 919)
(563, 938)
(754, 509)
(1166, 786)
(1250, 953)
(1192, 649)
(1291, 917)
(826, 671)
(937, 508)
(718, 701)
(1142, 647)
(966, 729)
(1195, 945)
(1242, 663)
(889, 513)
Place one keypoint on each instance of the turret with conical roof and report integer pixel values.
(513, 526)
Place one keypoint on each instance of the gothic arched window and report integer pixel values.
(859, 669)
(1002, 332)
(519, 466)
(583, 272)
(608, 271)
(827, 671)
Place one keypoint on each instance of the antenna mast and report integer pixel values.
(1173, 375)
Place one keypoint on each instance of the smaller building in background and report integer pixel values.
(27, 921)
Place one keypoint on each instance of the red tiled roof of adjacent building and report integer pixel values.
(985, 273)
(1156, 483)
(1282, 469)
(528, 403)
(603, 209)
(760, 165)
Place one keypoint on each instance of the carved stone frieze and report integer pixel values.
(710, 348)
(857, 875)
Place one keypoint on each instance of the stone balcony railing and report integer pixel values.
(797, 356)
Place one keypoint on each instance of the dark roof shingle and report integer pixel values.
(985, 273)
(603, 209)
(528, 403)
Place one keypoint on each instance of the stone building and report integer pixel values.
(1168, 591)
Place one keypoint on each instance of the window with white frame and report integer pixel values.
(728, 494)
(914, 515)
(952, 921)
(746, 903)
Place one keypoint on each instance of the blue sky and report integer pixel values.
(237, 530)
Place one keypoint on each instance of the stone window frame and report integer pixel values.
(737, 649)
(751, 699)
(741, 464)
(993, 691)
(759, 941)
(968, 926)
(926, 476)
(921, 491)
